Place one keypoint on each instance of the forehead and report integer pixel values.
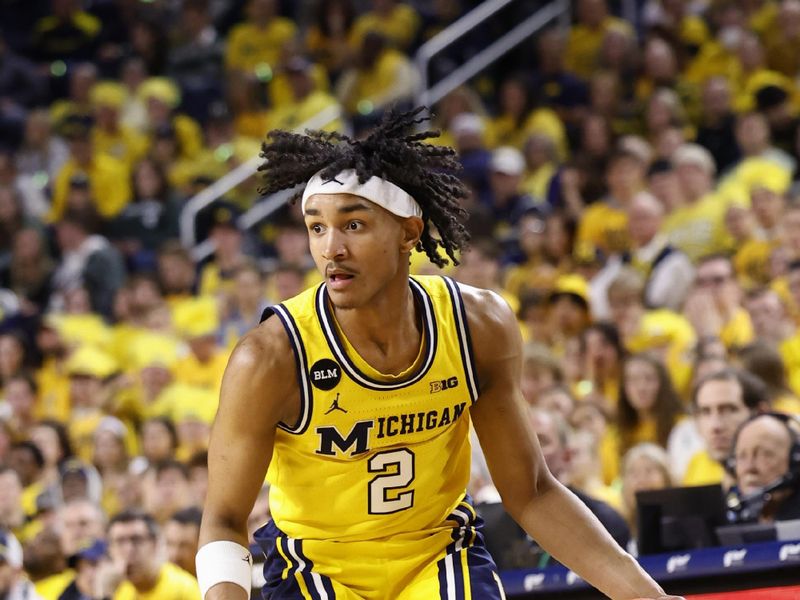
(765, 429)
(720, 391)
(717, 265)
(336, 202)
(128, 526)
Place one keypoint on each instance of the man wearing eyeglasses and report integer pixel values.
(714, 304)
(136, 568)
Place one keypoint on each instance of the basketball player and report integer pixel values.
(356, 397)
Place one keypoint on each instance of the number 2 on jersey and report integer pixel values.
(397, 472)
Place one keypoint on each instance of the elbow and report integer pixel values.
(220, 523)
(517, 500)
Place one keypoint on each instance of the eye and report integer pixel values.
(315, 228)
(354, 225)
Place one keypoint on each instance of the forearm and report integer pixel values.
(562, 525)
(226, 591)
(217, 530)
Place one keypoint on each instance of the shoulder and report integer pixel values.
(174, 577)
(284, 25)
(493, 328)
(486, 310)
(263, 349)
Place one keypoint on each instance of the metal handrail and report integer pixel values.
(555, 10)
(452, 33)
(558, 9)
(233, 178)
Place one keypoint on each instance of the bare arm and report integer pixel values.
(256, 395)
(548, 511)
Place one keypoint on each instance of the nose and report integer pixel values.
(334, 247)
(717, 423)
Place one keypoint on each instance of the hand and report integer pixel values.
(109, 575)
(702, 313)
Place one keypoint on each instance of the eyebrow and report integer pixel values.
(349, 208)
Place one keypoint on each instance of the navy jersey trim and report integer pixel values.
(301, 363)
(335, 343)
(464, 339)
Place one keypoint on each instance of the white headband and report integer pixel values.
(383, 193)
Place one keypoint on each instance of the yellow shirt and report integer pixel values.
(399, 26)
(188, 134)
(208, 375)
(787, 403)
(505, 131)
(82, 425)
(173, 583)
(295, 114)
(533, 274)
(790, 352)
(50, 588)
(249, 45)
(536, 183)
(109, 185)
(373, 85)
(253, 124)
(670, 336)
(28, 497)
(713, 59)
(612, 452)
(698, 229)
(583, 46)
(280, 89)
(126, 145)
(603, 227)
(703, 470)
(751, 262)
(738, 331)
(53, 400)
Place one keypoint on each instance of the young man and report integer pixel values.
(358, 394)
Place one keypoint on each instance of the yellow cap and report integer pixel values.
(192, 403)
(572, 284)
(91, 361)
(149, 349)
(160, 88)
(770, 176)
(108, 93)
(751, 174)
(80, 329)
(196, 317)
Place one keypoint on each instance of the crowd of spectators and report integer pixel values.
(634, 197)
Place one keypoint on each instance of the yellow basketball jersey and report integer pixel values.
(372, 456)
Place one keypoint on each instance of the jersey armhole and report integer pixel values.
(464, 339)
(301, 365)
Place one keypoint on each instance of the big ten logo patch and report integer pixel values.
(444, 384)
(325, 374)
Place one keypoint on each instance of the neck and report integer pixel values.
(385, 332)
(147, 582)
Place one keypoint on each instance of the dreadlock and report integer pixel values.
(392, 152)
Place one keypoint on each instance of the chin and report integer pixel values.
(344, 300)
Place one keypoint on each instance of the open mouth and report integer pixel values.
(339, 281)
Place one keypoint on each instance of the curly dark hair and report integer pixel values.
(392, 152)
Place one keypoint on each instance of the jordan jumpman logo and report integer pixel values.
(335, 406)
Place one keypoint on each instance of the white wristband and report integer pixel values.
(223, 561)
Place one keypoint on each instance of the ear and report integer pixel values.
(412, 230)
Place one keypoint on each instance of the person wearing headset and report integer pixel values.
(765, 464)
